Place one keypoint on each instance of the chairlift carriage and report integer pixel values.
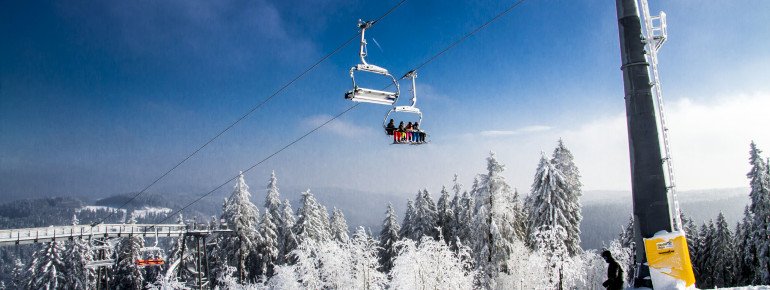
(368, 95)
(102, 250)
(151, 256)
(415, 136)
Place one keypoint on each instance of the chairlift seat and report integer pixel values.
(100, 263)
(150, 262)
(365, 95)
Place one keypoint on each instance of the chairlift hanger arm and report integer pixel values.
(364, 25)
(412, 74)
(366, 95)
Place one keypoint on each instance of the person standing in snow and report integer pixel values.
(614, 272)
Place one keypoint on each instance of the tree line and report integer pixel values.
(722, 257)
(486, 236)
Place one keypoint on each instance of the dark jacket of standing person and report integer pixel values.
(614, 272)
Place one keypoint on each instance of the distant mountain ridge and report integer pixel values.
(606, 212)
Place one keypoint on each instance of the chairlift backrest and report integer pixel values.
(150, 249)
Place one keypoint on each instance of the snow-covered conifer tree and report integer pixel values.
(525, 270)
(723, 258)
(445, 215)
(218, 264)
(691, 232)
(325, 220)
(626, 241)
(126, 273)
(310, 222)
(288, 239)
(242, 217)
(596, 270)
(364, 262)
(18, 277)
(499, 220)
(339, 226)
(563, 161)
(306, 266)
(464, 220)
(47, 269)
(388, 238)
(431, 265)
(626, 236)
(549, 204)
(456, 186)
(454, 206)
(408, 223)
(746, 257)
(704, 261)
(424, 216)
(77, 257)
(760, 209)
(550, 242)
(273, 205)
(268, 249)
(285, 278)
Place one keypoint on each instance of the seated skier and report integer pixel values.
(418, 136)
(390, 128)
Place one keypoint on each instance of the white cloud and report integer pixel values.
(337, 127)
(710, 149)
(527, 129)
(709, 143)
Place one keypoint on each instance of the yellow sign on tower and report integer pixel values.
(669, 261)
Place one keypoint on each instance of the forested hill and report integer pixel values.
(606, 212)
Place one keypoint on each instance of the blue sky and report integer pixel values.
(103, 97)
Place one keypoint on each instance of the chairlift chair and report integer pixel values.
(102, 250)
(411, 109)
(151, 256)
(367, 95)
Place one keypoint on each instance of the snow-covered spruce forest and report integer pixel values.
(486, 235)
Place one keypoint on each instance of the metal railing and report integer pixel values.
(56, 233)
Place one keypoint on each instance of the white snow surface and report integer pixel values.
(143, 212)
(137, 213)
(94, 208)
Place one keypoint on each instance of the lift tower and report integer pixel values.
(648, 182)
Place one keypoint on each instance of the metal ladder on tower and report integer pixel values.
(655, 35)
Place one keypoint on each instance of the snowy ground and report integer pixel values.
(143, 212)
